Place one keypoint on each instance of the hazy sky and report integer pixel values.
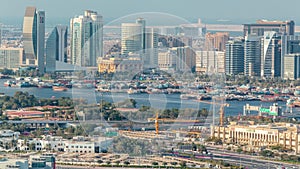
(238, 11)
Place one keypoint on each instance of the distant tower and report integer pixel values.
(34, 37)
(252, 62)
(132, 38)
(151, 49)
(270, 55)
(234, 57)
(143, 24)
(56, 47)
(290, 44)
(86, 38)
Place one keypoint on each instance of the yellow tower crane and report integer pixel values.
(222, 113)
(157, 120)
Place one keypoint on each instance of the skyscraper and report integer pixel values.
(142, 21)
(151, 48)
(234, 57)
(132, 38)
(185, 59)
(252, 57)
(292, 66)
(86, 38)
(136, 38)
(289, 44)
(270, 55)
(281, 27)
(56, 47)
(34, 37)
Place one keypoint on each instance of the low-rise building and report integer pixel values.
(13, 163)
(112, 64)
(79, 147)
(257, 136)
(23, 114)
(44, 161)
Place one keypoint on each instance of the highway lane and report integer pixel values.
(248, 159)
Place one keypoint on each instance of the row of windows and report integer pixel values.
(79, 146)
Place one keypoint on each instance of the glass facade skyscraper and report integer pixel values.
(270, 55)
(86, 39)
(34, 37)
(252, 58)
(234, 57)
(56, 47)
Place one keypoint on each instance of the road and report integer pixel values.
(252, 162)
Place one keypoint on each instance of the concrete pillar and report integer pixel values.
(224, 134)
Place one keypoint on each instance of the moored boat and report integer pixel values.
(59, 88)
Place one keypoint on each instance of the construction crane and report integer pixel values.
(157, 120)
(222, 113)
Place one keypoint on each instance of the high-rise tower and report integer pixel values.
(132, 38)
(252, 57)
(234, 57)
(270, 55)
(56, 47)
(34, 37)
(86, 38)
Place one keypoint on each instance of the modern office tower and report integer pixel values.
(132, 38)
(210, 61)
(292, 66)
(185, 58)
(216, 41)
(270, 54)
(234, 57)
(289, 44)
(143, 23)
(86, 39)
(151, 48)
(34, 37)
(56, 47)
(258, 28)
(252, 57)
(11, 58)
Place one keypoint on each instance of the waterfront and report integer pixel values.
(159, 101)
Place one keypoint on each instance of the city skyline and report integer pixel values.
(231, 12)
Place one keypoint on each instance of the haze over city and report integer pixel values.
(233, 11)
(149, 84)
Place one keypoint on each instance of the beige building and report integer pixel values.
(185, 58)
(117, 64)
(167, 60)
(11, 58)
(256, 136)
(216, 41)
(291, 66)
(210, 61)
